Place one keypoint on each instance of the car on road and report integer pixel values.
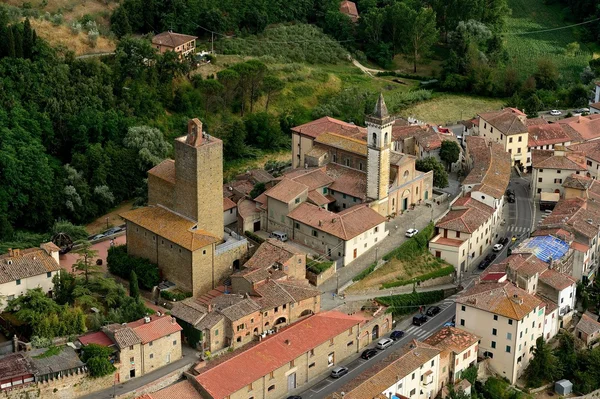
(555, 112)
(396, 335)
(294, 397)
(510, 191)
(384, 343)
(411, 232)
(339, 371)
(491, 257)
(97, 237)
(580, 111)
(369, 353)
(420, 319)
(511, 199)
(483, 264)
(433, 310)
(498, 247)
(504, 241)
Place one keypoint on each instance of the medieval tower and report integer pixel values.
(379, 132)
(199, 178)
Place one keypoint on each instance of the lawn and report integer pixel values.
(100, 224)
(396, 269)
(449, 108)
(525, 50)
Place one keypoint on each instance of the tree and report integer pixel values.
(10, 43)
(212, 92)
(572, 49)
(532, 105)
(27, 39)
(134, 289)
(96, 358)
(229, 79)
(566, 352)
(271, 86)
(544, 366)
(420, 33)
(578, 95)
(449, 152)
(86, 261)
(119, 22)
(257, 190)
(546, 76)
(149, 143)
(440, 176)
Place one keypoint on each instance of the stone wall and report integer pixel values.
(69, 387)
(318, 279)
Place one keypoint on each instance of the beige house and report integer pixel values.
(551, 168)
(411, 372)
(26, 269)
(229, 211)
(545, 136)
(145, 345)
(591, 151)
(181, 44)
(289, 359)
(181, 229)
(508, 319)
(588, 329)
(507, 127)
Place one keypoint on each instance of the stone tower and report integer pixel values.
(199, 178)
(379, 140)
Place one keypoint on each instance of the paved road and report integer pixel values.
(520, 213)
(327, 385)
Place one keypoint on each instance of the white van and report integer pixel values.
(280, 235)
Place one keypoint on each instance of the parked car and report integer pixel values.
(510, 191)
(339, 371)
(279, 235)
(555, 112)
(294, 397)
(420, 319)
(384, 343)
(498, 247)
(491, 257)
(433, 310)
(98, 236)
(411, 232)
(504, 240)
(483, 264)
(396, 335)
(369, 353)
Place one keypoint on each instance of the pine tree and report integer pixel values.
(27, 39)
(134, 289)
(18, 39)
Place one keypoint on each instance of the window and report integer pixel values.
(539, 190)
(216, 332)
(360, 166)
(541, 170)
(519, 359)
(508, 336)
(463, 308)
(344, 196)
(539, 179)
(49, 274)
(347, 162)
(501, 136)
(521, 334)
(519, 150)
(276, 309)
(413, 376)
(18, 281)
(589, 163)
(297, 200)
(520, 138)
(131, 360)
(152, 356)
(334, 158)
(458, 234)
(204, 252)
(510, 150)
(131, 348)
(485, 125)
(558, 171)
(412, 392)
(462, 322)
(557, 181)
(376, 229)
(510, 140)
(432, 363)
(271, 388)
(314, 233)
(174, 342)
(510, 322)
(150, 344)
(494, 331)
(507, 348)
(493, 344)
(296, 225)
(350, 343)
(496, 317)
(310, 366)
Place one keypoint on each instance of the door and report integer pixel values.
(132, 373)
(168, 358)
(291, 382)
(257, 225)
(426, 194)
(375, 333)
(355, 253)
(404, 203)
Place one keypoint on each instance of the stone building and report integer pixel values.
(177, 42)
(181, 229)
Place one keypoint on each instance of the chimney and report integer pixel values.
(172, 320)
(194, 135)
(209, 307)
(147, 319)
(320, 223)
(535, 137)
(287, 342)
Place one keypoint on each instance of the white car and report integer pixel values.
(555, 112)
(411, 232)
(498, 247)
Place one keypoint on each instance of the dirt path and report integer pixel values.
(368, 71)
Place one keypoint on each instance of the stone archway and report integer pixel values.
(306, 312)
(375, 333)
(281, 320)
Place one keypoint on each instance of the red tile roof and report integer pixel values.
(491, 167)
(591, 149)
(507, 121)
(286, 190)
(228, 204)
(329, 125)
(500, 298)
(172, 39)
(540, 135)
(558, 281)
(347, 180)
(157, 328)
(249, 365)
(165, 171)
(349, 8)
(557, 159)
(587, 127)
(466, 215)
(98, 338)
(452, 339)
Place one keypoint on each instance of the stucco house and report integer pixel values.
(176, 42)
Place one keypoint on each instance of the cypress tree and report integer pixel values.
(27, 39)
(18, 36)
(134, 289)
(10, 43)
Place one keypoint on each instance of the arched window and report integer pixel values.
(417, 191)
(386, 138)
(272, 387)
(374, 138)
(405, 175)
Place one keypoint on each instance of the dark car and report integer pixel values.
(433, 310)
(294, 397)
(510, 191)
(483, 264)
(396, 335)
(369, 353)
(490, 258)
(420, 319)
(511, 199)
(504, 240)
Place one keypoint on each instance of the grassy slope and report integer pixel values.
(525, 50)
(447, 107)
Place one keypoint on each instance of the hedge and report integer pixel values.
(175, 295)
(365, 272)
(408, 303)
(121, 264)
(413, 246)
(254, 237)
(404, 75)
(319, 267)
(444, 271)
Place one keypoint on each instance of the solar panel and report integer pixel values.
(546, 247)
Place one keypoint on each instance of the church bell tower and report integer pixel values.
(379, 131)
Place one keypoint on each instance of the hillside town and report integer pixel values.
(179, 243)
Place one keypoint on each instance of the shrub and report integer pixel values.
(96, 359)
(445, 271)
(403, 75)
(412, 247)
(121, 264)
(408, 303)
(254, 237)
(175, 295)
(319, 267)
(365, 272)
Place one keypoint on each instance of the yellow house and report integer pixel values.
(508, 127)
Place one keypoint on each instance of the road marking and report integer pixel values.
(410, 329)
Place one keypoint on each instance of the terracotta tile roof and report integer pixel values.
(286, 190)
(547, 134)
(228, 204)
(247, 207)
(579, 214)
(507, 121)
(558, 281)
(238, 371)
(587, 127)
(452, 339)
(179, 390)
(497, 277)
(273, 293)
(580, 247)
(536, 122)
(591, 149)
(242, 308)
(317, 151)
(579, 182)
(329, 125)
(349, 8)
(27, 263)
(556, 232)
(491, 167)
(189, 310)
(165, 171)
(347, 180)
(388, 371)
(98, 338)
(311, 178)
(448, 241)
(171, 226)
(242, 186)
(125, 337)
(350, 144)
(257, 175)
(345, 225)
(546, 159)
(172, 39)
(299, 290)
(588, 323)
(269, 252)
(16, 365)
(49, 247)
(209, 321)
(400, 131)
(157, 328)
(319, 199)
(500, 298)
(466, 215)
(525, 264)
(550, 306)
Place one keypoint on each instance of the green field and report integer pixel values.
(446, 107)
(525, 50)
